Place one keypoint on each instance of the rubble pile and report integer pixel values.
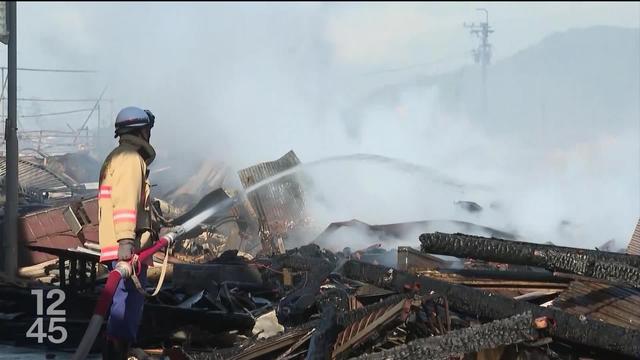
(238, 287)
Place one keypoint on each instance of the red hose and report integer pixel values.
(106, 296)
(148, 252)
(104, 301)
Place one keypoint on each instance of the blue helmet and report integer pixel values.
(133, 117)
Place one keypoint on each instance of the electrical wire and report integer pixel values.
(52, 70)
(56, 113)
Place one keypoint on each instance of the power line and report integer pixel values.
(57, 113)
(413, 66)
(53, 70)
(57, 100)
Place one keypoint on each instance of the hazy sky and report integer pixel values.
(245, 83)
(362, 33)
(172, 43)
(359, 37)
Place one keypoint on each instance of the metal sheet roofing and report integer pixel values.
(609, 303)
(634, 244)
(280, 200)
(36, 176)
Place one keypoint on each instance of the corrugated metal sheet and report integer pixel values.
(282, 199)
(259, 172)
(634, 244)
(36, 177)
(49, 229)
(612, 304)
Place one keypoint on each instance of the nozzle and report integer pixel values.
(174, 234)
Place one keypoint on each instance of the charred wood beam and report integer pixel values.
(631, 260)
(296, 307)
(595, 264)
(335, 297)
(324, 337)
(512, 330)
(489, 306)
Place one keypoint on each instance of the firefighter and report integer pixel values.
(126, 223)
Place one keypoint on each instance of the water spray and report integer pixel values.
(405, 166)
(124, 269)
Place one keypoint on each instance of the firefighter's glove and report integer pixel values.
(125, 249)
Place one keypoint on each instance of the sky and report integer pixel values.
(357, 38)
(241, 83)
(160, 41)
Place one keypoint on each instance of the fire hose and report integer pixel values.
(123, 270)
(208, 206)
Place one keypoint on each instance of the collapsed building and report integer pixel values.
(240, 286)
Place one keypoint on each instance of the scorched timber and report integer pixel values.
(512, 330)
(360, 324)
(488, 306)
(596, 264)
(338, 333)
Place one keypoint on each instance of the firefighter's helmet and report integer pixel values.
(131, 118)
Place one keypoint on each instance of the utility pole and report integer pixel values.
(11, 138)
(482, 55)
(95, 147)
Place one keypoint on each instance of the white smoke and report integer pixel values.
(242, 84)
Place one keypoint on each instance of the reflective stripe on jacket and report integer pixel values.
(123, 201)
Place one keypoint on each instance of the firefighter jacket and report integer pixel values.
(123, 198)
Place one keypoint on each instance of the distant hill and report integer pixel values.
(587, 78)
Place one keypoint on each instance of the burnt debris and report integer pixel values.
(490, 306)
(592, 263)
(239, 287)
(513, 330)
